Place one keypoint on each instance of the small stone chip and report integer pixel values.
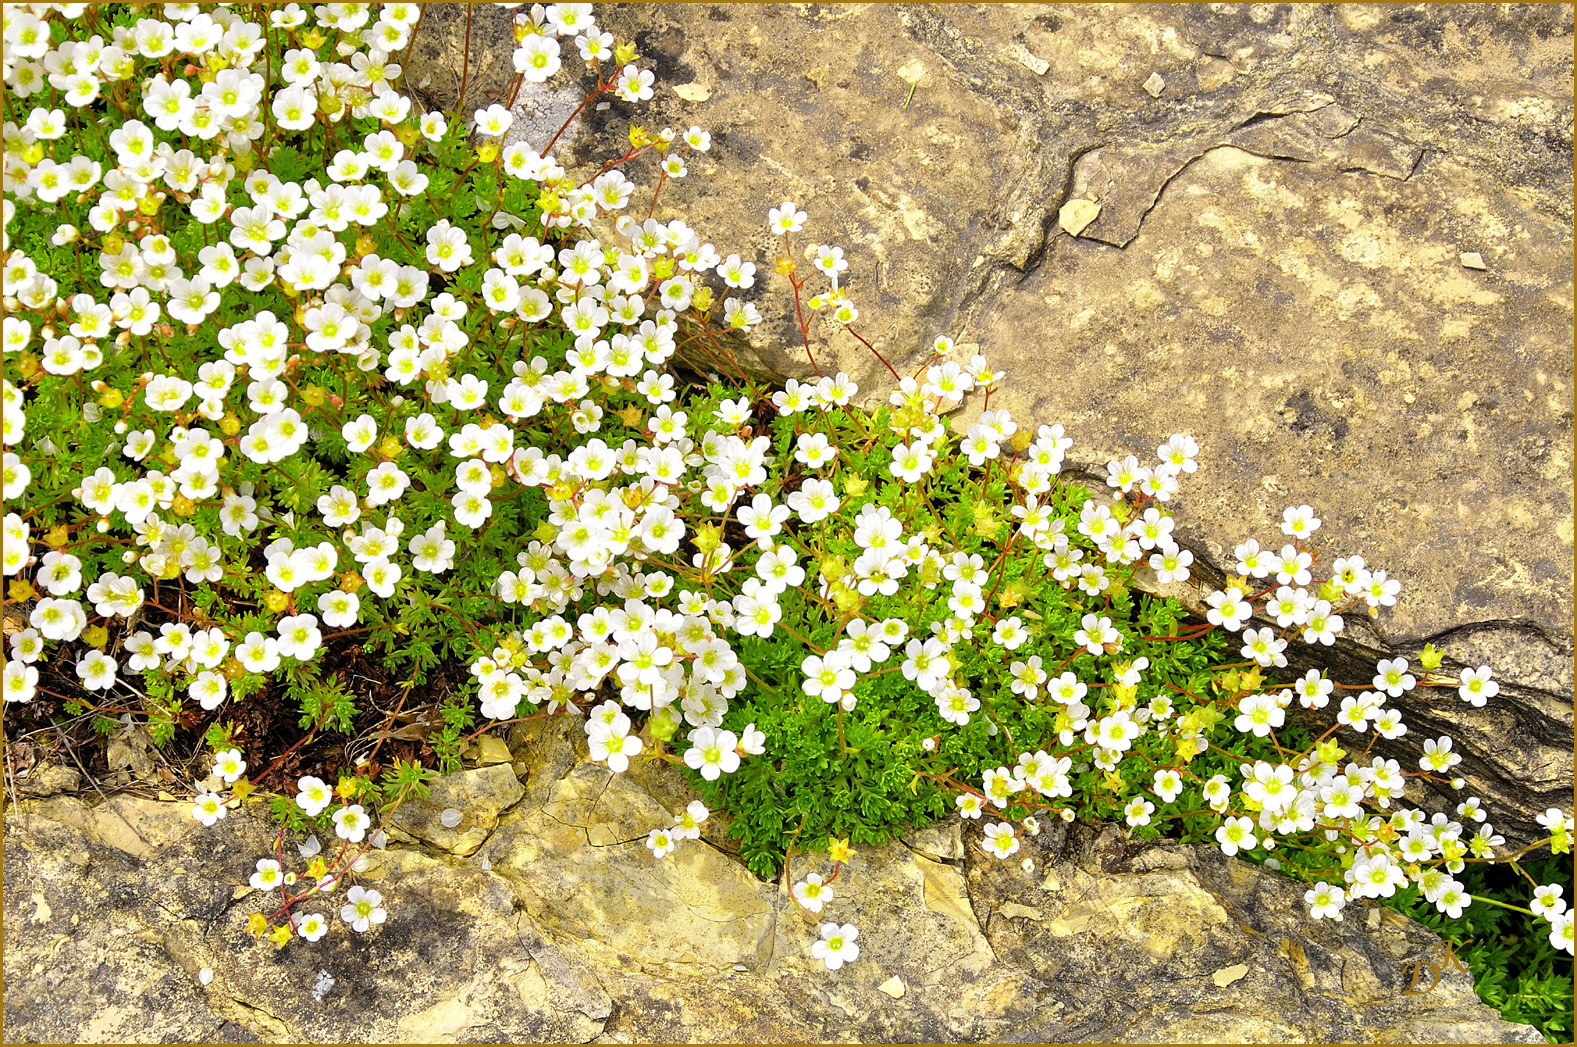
(1473, 260)
(1022, 55)
(1227, 975)
(693, 92)
(450, 818)
(1155, 85)
(892, 987)
(1076, 215)
(205, 976)
(491, 750)
(1014, 911)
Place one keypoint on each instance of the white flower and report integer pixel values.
(612, 743)
(267, 876)
(661, 842)
(712, 752)
(836, 946)
(363, 907)
(1561, 932)
(537, 57)
(312, 926)
(1000, 839)
(351, 823)
(811, 893)
(1392, 677)
(1299, 522)
(313, 796)
(360, 433)
(1138, 811)
(493, 121)
(786, 218)
(1325, 901)
(229, 765)
(1547, 901)
(1236, 834)
(687, 823)
(208, 808)
(1095, 633)
(299, 636)
(1477, 687)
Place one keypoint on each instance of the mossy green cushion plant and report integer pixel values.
(297, 374)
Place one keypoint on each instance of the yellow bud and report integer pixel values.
(21, 590)
(347, 787)
(96, 636)
(785, 266)
(280, 935)
(257, 924)
(112, 398)
(707, 537)
(662, 267)
(839, 850)
(113, 243)
(57, 536)
(33, 153)
(149, 204)
(242, 789)
(487, 152)
(624, 52)
(183, 506)
(702, 300)
(276, 601)
(229, 424)
(638, 136)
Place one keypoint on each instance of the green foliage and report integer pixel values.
(1515, 970)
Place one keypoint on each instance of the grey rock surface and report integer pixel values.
(565, 928)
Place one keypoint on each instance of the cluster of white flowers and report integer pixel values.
(207, 107)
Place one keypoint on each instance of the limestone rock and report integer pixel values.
(1202, 948)
(437, 64)
(579, 933)
(477, 795)
(48, 779)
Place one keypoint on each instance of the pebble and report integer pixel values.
(1155, 85)
(450, 818)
